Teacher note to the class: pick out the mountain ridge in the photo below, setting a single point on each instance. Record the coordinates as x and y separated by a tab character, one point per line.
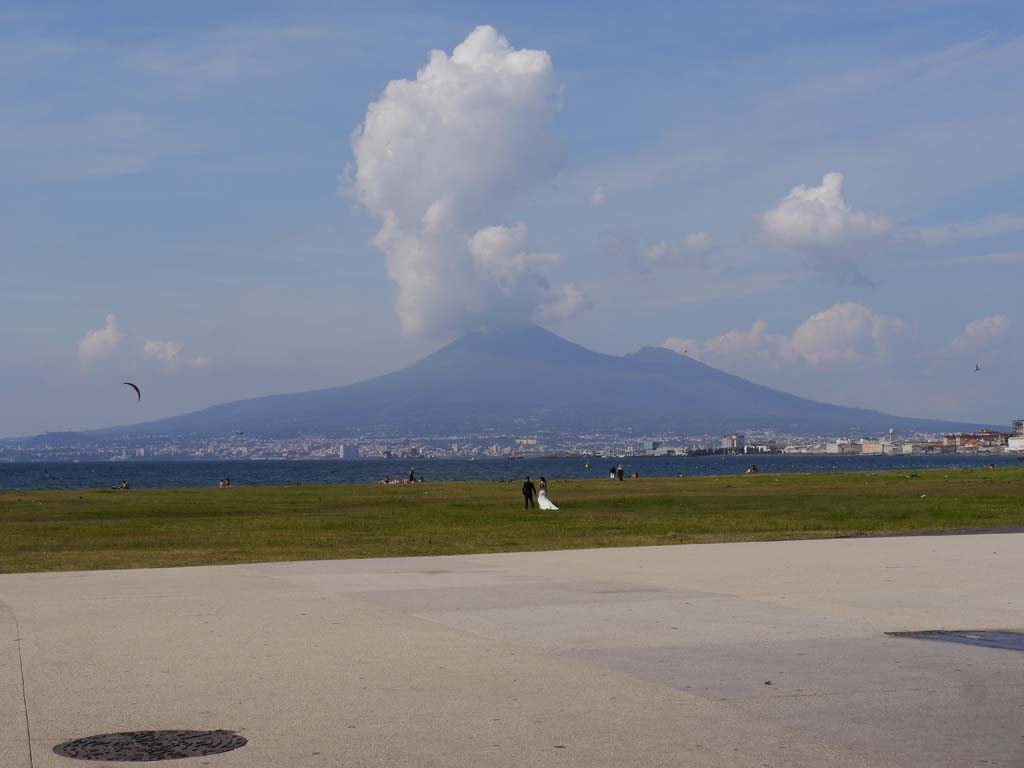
530	380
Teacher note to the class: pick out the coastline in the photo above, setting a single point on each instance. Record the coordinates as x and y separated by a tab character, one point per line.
25	476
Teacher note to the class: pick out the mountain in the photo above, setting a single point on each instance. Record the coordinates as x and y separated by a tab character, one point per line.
528	380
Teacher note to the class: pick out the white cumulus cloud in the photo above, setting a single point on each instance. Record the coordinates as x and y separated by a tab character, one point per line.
818	223
437	159
735	345
99	343
698	242
172	353
848	333
981	333
567	301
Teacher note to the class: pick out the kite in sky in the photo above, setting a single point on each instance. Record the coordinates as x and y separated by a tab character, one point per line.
138	392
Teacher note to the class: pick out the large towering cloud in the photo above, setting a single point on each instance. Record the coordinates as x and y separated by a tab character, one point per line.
437	160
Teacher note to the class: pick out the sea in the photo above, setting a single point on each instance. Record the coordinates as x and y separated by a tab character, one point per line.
19	476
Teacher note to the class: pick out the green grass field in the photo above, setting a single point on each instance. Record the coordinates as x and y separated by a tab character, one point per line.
81	530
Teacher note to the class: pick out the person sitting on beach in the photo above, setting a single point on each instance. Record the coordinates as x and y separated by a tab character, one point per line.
385	481
122	487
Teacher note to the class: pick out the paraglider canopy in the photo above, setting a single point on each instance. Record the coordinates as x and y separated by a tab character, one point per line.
138	392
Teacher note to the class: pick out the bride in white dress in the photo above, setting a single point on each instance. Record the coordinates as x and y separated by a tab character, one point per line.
543	502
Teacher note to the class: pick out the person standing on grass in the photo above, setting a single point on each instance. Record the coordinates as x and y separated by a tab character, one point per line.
542	496
529	490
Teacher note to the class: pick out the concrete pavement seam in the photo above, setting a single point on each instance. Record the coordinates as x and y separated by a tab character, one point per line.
24	693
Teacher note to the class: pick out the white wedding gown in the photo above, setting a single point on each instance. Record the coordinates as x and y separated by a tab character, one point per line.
543	502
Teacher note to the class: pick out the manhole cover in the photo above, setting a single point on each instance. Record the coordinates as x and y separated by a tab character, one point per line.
142	746
990	638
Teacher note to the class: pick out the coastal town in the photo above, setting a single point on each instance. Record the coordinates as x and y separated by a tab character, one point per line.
82	447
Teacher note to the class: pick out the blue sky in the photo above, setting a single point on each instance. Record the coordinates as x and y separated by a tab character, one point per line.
665	175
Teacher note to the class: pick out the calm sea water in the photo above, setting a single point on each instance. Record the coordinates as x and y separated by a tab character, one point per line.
191	474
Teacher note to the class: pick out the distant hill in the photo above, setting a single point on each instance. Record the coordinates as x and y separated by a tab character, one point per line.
528	380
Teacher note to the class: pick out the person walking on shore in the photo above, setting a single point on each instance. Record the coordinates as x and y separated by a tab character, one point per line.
529	489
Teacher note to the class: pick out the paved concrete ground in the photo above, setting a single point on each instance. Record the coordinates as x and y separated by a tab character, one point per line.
621	657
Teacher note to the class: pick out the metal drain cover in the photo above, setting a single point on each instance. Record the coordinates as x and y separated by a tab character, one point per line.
1012	640
143	746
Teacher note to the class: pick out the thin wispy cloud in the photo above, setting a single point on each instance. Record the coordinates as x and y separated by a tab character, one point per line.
692	249
955	62
989	226
227	56
102	145
128	125
38	51
1004	259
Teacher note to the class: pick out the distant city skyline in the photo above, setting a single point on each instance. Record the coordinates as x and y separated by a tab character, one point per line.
239	200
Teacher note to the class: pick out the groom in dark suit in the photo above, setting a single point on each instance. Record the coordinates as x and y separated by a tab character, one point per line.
529	491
